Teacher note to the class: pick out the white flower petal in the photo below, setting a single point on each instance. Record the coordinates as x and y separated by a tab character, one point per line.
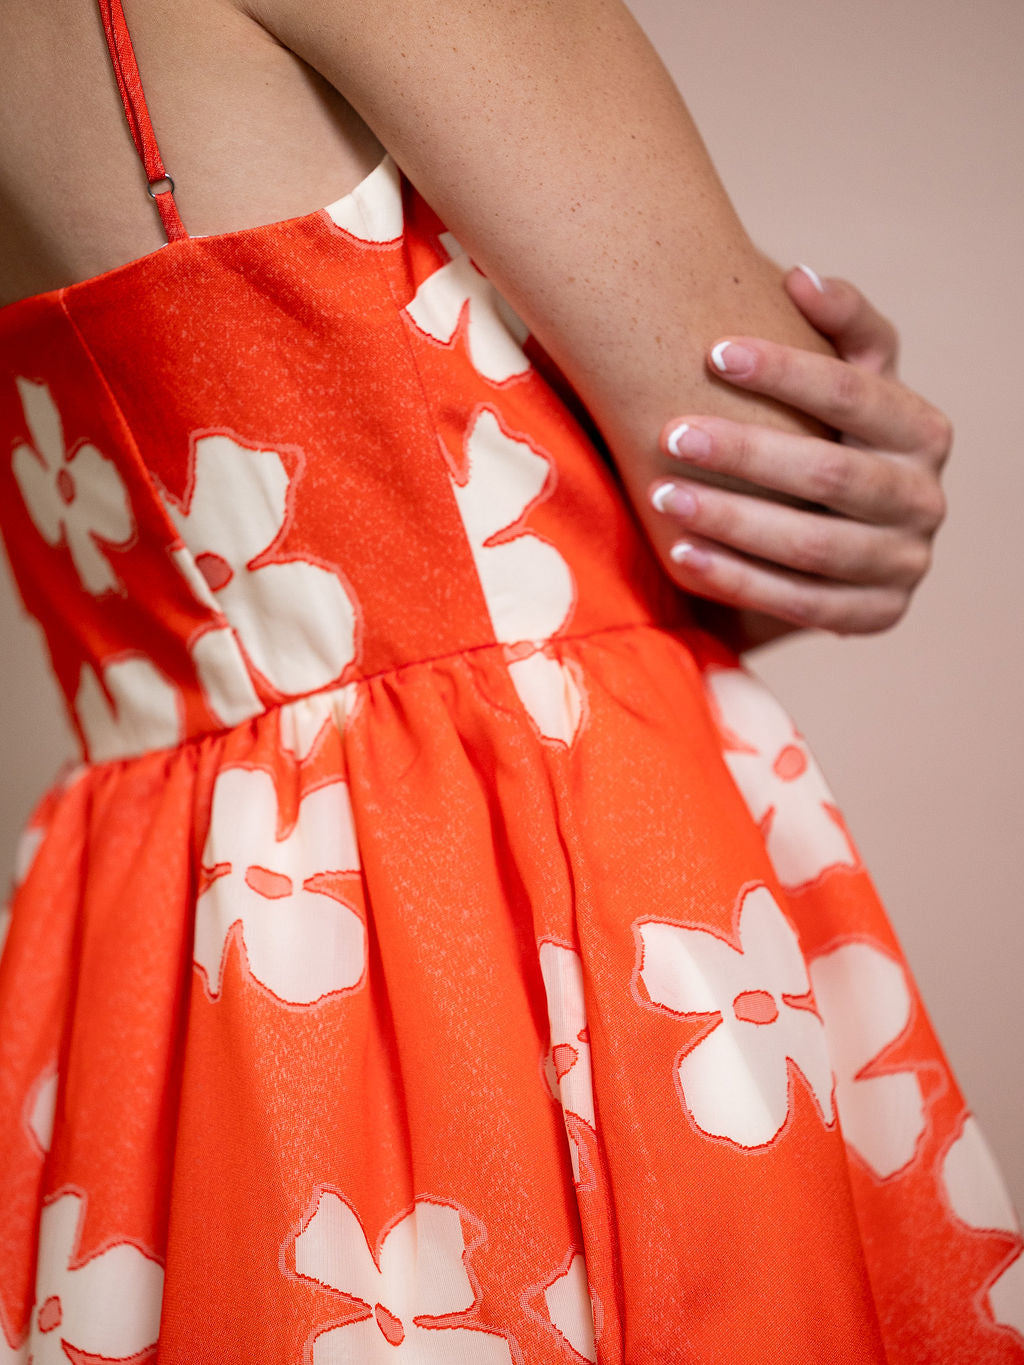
421	1265
562	971
91	564
110	1305
781	776
42	1108
864	999
569	1307
495	333
238	501
804	839
683	969
735	1085
332	1250
974	1183
143	712
373	210
40	494
551	694
296	622
527	585
43	422
750	711
1006	1295
224	677
101	500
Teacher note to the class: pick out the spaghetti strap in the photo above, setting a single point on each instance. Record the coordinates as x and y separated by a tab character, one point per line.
126	69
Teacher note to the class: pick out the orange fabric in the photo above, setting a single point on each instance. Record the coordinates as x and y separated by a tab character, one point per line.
444	951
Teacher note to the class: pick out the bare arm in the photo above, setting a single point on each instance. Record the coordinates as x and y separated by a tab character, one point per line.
551	140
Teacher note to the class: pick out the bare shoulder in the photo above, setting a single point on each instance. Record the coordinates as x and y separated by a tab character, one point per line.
250	133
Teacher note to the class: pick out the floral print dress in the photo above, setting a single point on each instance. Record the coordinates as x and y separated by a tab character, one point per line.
444	950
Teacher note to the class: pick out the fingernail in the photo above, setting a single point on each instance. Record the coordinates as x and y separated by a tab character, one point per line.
813	276
733	359
682	552
687	440
669	497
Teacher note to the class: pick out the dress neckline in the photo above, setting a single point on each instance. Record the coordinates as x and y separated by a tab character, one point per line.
182	244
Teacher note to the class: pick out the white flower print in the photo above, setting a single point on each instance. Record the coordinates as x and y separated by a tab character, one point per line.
569	1307
778	778
863	997
300	943
494	333
106	1308
527	585
373	210
419	1272
217	656
143	710
223	676
978	1197
552	693
301	723
76	498
735	1080
41	1107
568	1059
294	619
9	1353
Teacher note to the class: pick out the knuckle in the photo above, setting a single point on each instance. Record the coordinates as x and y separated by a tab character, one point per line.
742	451
811	608
938	434
885	610
923	560
931	506
814	549
915	563
847	395
892	610
832	475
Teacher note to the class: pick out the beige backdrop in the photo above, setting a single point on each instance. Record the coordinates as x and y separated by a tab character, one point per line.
882	142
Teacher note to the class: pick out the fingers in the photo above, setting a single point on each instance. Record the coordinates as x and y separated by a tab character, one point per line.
841	608
861	334
884	490
869	407
812	543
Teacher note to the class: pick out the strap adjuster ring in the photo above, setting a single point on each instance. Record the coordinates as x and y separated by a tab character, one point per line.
149	187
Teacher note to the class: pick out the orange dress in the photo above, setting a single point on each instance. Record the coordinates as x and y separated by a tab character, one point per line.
445	953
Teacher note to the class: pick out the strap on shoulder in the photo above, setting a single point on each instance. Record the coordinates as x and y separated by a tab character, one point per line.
126	69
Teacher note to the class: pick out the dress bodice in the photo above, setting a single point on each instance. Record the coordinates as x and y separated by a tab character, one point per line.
252	466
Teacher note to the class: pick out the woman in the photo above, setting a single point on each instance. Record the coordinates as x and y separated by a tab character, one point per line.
443	924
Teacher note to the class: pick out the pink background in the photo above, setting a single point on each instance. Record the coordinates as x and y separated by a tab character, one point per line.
883	143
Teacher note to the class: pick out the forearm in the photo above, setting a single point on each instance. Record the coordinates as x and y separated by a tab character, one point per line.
551	140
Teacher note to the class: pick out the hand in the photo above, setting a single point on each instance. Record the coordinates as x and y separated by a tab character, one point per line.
851	541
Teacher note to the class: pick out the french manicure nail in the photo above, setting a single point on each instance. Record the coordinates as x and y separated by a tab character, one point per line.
813	276
733	359
687	440
682	552
669	497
